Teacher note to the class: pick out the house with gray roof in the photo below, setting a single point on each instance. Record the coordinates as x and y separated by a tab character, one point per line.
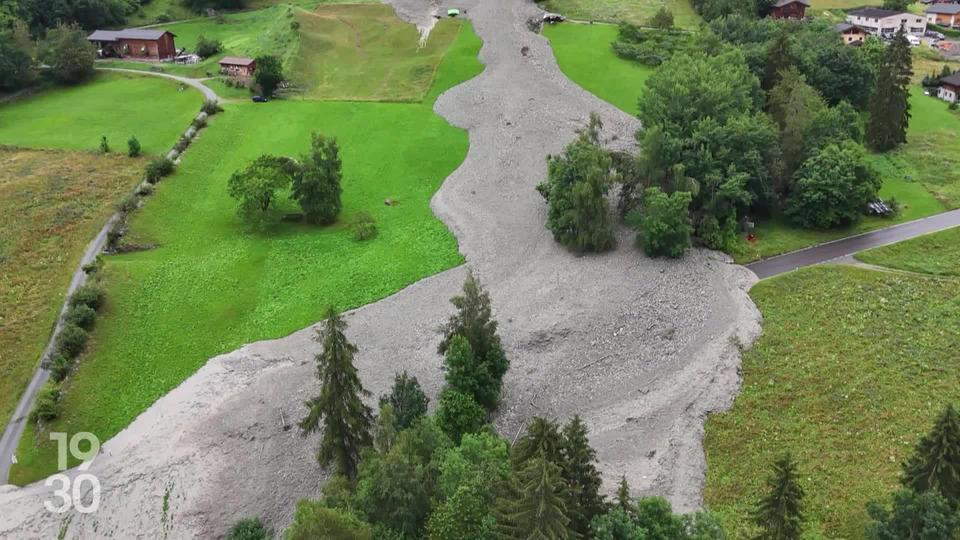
151	44
886	22
944	14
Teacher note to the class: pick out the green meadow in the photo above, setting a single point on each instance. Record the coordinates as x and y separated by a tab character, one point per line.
117	106
213	283
634	11
937	254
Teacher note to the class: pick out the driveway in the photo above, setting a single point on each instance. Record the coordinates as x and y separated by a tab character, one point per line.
846	247
207	92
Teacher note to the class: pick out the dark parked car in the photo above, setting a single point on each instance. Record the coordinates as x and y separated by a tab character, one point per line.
259	99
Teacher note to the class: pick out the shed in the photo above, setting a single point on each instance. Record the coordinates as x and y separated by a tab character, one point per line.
238	67
135	43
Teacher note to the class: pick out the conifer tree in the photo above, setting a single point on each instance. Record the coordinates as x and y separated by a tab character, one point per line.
467	375
407	399
623	496
385	432
935	464
542	438
780	512
889	103
339	409
474	321
583	480
779	58
539	509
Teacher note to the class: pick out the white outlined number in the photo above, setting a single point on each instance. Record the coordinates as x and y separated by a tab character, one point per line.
74	498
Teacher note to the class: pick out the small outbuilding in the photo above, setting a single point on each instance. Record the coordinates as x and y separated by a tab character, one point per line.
851	34
944	14
949	88
789	9
238	67
135	43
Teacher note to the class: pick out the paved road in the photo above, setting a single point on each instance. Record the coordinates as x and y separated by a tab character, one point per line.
208	93
850	245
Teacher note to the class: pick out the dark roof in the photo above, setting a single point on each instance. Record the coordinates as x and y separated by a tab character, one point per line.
236	61
876	13
781	3
952	80
843	27
946	9
150	34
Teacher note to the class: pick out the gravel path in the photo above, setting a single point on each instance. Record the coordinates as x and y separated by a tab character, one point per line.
207	92
642	349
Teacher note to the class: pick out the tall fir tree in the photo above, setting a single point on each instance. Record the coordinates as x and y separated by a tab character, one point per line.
474	321
623	500
542	438
935	464
339	409
779	59
583	480
465	374
408	400
538	510
890	101
779	513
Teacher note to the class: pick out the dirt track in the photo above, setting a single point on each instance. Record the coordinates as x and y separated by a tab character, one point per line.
642	349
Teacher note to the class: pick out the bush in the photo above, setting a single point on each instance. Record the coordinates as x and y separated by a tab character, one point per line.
199	123
832	187
248	529
72	340
313	520
93	267
364	227
47	406
145	190
458	414
665	224
60	367
90	294
104	145
207	47
158	168
133	147
81	315
182	144
116	232
129	203
211	107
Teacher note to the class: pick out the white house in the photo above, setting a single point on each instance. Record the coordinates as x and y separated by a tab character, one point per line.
885	22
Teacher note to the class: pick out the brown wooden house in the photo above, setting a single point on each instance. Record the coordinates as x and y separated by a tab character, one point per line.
851	34
789	9
134	43
238	67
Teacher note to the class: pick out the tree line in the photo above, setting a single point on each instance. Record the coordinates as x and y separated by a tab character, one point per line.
755	119
62	56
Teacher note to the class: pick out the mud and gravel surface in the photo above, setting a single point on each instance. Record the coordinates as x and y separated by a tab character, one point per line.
643	349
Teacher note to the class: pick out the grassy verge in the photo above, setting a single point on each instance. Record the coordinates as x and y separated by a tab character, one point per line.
155	110
586	57
851	369
51	204
635	11
213	284
937	254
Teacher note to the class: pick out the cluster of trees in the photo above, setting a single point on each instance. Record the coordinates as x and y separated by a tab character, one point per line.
65	54
314	182
927	506
654	44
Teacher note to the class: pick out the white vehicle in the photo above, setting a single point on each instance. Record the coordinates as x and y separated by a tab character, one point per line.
914	40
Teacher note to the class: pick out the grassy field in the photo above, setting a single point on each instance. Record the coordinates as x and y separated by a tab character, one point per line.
366	53
937	254
172	308
851	369
635	11
586	57
52	202
118	106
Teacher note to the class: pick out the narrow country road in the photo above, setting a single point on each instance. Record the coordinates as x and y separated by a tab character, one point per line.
845	247
207	92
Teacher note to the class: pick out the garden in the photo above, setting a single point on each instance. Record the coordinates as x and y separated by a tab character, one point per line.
214	282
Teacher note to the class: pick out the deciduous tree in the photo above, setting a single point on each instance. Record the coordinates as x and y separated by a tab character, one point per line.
915	516
832	187
316	182
665	223
339	410
256	186
67	54
269	74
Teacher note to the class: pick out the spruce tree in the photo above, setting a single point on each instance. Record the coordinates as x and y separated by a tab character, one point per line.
579	470
935	464
474	321
465	374
779	59
623	496
890	101
339	410
780	512
408	400
541	439
539	509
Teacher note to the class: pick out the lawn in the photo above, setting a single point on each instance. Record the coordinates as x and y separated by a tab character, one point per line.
214	284
52	202
937	254
635	11
155	110
586	57
852	367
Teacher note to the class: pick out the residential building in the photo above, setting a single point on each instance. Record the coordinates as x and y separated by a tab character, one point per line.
886	23
949	88
237	67
135	43
850	33
789	9
944	14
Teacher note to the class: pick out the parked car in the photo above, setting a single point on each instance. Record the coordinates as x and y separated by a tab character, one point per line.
259	99
935	35
552	18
